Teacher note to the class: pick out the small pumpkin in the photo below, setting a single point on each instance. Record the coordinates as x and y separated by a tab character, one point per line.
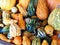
26	40
36	41
17	40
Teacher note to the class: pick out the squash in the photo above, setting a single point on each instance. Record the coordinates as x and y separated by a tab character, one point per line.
21	22
42	10
14	16
36	41
17	40
31	8
54	42
52	4
5	30
3	37
25	4
49	30
22	10
45	42
26	40
54	19
14	30
7	4
41	33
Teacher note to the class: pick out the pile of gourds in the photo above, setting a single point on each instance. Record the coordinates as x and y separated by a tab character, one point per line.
30	22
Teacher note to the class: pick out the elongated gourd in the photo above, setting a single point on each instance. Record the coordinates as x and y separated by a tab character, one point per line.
42	10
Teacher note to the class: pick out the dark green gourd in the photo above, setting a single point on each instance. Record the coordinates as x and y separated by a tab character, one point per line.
31	9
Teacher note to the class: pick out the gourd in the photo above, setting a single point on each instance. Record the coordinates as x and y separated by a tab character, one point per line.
14	30
36	41
17	40
41	33
6	17
31	9
42	10
5	30
3	37
26	40
25	4
31	25
54	19
54	42
49	30
21	22
7	4
45	42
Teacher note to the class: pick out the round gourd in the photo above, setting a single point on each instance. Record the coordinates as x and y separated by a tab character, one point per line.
54	19
7	4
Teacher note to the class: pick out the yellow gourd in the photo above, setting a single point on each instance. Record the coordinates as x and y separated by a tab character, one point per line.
7	4
45	42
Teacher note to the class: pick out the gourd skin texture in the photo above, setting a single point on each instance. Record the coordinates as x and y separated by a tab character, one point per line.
54	19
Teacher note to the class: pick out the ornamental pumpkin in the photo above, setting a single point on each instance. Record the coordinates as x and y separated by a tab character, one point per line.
7	4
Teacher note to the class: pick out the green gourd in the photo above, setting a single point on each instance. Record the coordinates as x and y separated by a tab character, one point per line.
54	19
36	41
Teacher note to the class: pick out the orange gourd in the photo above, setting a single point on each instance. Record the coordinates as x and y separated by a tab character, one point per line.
42	10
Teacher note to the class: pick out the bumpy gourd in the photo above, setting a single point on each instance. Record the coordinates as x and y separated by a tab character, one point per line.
54	19
14	30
